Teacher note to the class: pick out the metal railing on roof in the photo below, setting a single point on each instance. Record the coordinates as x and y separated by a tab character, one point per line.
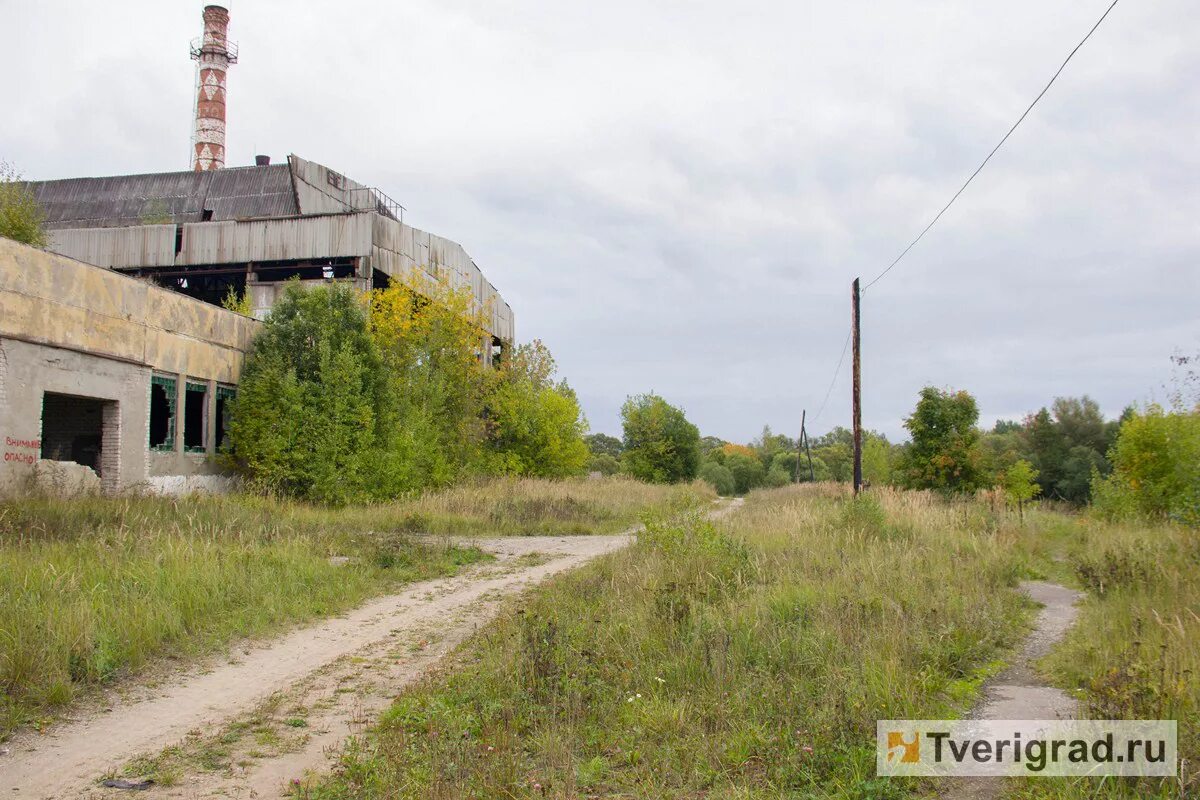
368	198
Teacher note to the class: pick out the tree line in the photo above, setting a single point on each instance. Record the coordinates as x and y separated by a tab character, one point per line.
1145	463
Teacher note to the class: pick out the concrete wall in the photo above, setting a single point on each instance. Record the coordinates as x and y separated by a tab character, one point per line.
32	370
75	329
381	243
338	219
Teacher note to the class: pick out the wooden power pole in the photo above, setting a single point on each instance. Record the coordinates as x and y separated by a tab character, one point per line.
802	448
856	391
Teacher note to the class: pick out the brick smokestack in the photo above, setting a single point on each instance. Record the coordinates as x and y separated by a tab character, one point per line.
213	53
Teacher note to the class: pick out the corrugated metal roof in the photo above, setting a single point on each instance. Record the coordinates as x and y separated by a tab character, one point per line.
173	197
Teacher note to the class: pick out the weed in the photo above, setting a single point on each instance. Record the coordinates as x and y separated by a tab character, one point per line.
748	658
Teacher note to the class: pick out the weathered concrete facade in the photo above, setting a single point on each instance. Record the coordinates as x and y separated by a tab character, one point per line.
109	371
252	228
124	362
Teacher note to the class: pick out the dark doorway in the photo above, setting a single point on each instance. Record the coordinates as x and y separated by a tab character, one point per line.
72	429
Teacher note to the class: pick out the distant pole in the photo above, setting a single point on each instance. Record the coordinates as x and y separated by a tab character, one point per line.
800	444
857	391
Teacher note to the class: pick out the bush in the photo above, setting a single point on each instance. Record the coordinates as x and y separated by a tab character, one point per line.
537	425
719	477
304	420
605	464
349	398
21	218
748	472
661	446
778	476
1156	468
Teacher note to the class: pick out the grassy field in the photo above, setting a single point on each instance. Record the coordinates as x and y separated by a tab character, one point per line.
742	659
95	588
527	506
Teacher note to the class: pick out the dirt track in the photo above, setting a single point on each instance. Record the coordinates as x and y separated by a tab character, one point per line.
341	672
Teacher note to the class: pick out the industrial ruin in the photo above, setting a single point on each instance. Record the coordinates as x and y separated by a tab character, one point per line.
115	355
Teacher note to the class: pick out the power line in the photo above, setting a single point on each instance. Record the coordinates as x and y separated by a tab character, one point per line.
994	149
833	381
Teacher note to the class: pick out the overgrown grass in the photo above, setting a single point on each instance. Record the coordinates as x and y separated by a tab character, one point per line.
94	588
527	506
1134	652
749	658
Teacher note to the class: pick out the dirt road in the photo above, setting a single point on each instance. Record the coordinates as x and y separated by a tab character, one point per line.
250	724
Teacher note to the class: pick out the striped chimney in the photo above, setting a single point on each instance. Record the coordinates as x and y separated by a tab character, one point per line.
213	54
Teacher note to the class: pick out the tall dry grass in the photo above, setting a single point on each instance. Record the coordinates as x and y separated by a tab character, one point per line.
530	506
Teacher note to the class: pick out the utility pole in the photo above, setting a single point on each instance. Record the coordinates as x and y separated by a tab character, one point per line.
857	391
802	448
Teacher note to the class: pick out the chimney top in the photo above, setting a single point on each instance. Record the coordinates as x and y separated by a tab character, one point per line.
262	161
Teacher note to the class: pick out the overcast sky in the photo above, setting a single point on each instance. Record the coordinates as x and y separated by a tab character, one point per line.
676	195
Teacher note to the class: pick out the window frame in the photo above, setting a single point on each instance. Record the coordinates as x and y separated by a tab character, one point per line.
200	387
171	390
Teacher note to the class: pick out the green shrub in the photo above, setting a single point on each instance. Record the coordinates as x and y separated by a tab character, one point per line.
605	464
661	446
863	513
748	472
719	477
777	476
21	218
537	425
344	400
304	419
1156	468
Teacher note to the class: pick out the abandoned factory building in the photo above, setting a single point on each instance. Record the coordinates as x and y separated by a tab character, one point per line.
114	352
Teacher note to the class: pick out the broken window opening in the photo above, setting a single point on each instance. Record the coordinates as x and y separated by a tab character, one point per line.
225	395
72	429
162	413
195	415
